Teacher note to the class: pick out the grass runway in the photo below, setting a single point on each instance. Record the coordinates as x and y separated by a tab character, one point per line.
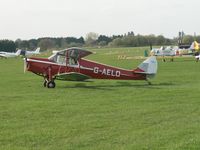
102	114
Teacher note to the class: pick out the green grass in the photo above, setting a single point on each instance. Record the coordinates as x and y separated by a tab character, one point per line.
102	114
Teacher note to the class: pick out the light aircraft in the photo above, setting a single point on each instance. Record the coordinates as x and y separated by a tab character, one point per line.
30	53
191	50
55	51
164	51
70	65
9	55
195	45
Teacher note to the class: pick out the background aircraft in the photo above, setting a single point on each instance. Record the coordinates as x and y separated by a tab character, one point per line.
8	55
30	53
164	51
194	48
70	65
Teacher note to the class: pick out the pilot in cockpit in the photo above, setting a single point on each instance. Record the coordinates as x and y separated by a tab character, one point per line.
73	57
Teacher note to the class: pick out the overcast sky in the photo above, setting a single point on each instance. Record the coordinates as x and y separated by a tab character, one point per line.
28	19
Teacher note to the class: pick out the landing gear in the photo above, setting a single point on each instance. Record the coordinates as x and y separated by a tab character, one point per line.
51	84
171	59
49	79
149	82
45	83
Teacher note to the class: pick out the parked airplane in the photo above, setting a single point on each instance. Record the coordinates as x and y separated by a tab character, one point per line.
196	45
55	51
190	50
164	51
8	54
30	53
70	65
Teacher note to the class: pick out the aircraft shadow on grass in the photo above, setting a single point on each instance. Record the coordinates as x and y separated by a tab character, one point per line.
104	86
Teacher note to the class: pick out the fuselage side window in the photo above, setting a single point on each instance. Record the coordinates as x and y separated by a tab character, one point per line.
61	59
73	57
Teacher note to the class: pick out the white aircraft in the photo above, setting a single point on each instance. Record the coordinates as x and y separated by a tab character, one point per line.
55	51
164	51
30	53
9	55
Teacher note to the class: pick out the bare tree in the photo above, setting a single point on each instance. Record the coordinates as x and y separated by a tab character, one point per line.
91	38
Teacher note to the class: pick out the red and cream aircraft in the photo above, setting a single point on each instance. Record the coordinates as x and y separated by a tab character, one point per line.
70	65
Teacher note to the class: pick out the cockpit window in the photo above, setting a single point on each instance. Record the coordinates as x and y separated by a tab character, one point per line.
59	58
73	57
69	56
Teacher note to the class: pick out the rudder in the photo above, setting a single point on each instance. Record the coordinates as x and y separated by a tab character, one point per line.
149	67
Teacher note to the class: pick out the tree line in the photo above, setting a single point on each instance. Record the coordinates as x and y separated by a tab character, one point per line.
93	40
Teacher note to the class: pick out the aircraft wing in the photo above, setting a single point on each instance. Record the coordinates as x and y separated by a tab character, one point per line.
74	52
81	52
3	55
72	76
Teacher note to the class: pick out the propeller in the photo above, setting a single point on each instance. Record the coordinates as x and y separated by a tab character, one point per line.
25	64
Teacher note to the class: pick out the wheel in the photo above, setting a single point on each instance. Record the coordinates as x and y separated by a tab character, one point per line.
51	84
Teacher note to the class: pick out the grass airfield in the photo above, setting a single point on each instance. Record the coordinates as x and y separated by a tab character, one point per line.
102	114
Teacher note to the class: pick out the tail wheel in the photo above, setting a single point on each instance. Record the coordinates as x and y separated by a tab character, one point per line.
51	84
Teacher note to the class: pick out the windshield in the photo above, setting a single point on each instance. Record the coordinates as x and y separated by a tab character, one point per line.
70	56
59	58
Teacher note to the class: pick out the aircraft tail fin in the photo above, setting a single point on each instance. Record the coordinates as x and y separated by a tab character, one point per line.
148	67
37	50
194	46
18	52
